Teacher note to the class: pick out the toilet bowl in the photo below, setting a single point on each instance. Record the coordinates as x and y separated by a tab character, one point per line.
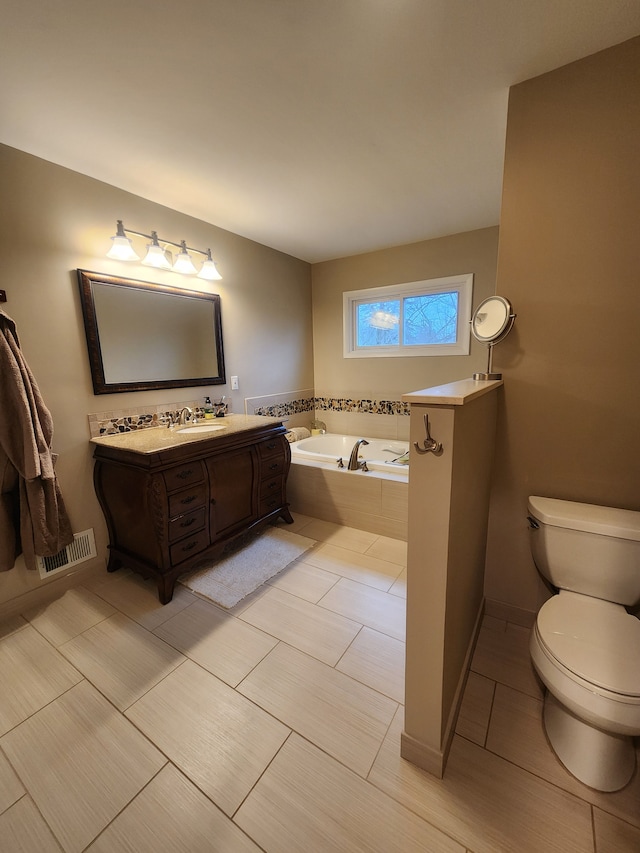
585	646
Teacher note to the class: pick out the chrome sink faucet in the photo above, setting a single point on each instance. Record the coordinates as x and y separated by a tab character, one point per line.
186	414
354	465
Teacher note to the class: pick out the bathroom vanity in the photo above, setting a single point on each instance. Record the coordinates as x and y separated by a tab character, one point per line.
175	498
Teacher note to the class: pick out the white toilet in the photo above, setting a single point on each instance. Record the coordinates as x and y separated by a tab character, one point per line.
585	646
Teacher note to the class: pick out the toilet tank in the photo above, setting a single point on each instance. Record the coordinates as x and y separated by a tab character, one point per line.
594	550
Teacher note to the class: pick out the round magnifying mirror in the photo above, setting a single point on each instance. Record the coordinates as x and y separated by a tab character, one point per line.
491	323
492	320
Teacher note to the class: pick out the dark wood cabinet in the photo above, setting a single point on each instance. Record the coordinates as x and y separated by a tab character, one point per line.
173	507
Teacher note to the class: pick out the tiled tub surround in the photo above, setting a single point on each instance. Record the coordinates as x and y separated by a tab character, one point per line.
294	407
374	500
364	424
364	417
371	501
287	403
341	415
373	407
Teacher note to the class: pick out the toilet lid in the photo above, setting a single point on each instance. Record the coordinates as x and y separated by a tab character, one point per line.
605	520
597	640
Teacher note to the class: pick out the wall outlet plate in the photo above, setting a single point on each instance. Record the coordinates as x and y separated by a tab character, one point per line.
234	383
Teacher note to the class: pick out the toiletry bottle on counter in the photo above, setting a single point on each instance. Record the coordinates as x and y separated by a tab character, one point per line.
208	408
318	428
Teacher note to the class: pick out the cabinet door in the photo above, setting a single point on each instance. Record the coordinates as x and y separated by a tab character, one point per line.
233	484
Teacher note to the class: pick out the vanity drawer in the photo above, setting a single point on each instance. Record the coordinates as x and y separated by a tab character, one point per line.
190	522
271	467
186	548
271	486
269	504
272	447
183	475
187	500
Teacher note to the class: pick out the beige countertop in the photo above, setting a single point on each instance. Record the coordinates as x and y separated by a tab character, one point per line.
452	394
153	439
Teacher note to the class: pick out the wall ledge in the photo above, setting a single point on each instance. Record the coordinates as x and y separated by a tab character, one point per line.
453	393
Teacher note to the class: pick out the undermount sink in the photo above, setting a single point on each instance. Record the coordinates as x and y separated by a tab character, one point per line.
202	428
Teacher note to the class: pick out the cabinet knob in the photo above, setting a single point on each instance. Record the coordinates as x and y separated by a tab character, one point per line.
212	501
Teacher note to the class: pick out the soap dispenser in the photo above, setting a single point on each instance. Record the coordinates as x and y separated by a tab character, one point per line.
208	408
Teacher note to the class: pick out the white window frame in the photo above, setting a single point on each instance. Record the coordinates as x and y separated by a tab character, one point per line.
462	284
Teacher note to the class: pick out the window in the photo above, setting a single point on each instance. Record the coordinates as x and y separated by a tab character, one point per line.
418	318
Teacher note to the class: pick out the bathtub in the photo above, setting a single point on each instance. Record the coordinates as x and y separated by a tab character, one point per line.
380	454
375	500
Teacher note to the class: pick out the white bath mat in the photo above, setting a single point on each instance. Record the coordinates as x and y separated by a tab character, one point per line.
229	580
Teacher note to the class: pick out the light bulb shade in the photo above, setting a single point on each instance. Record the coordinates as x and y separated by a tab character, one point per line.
121	249
183	262
209	270
156	256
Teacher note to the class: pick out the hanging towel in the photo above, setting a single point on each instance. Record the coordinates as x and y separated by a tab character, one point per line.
33	518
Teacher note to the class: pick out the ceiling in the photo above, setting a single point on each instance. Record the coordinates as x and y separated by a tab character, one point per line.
322	128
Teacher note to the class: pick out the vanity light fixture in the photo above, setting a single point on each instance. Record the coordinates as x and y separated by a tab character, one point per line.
159	256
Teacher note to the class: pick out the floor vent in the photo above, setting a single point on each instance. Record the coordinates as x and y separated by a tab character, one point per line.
81	549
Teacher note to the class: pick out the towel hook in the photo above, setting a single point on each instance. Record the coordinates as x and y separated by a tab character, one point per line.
430	445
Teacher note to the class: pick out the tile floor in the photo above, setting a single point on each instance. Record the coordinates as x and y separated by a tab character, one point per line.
128	726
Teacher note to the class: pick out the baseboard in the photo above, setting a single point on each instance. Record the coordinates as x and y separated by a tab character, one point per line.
510	613
423	756
50	590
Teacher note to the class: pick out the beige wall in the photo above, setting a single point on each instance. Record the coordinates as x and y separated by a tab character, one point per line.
389	378
53	221
569	258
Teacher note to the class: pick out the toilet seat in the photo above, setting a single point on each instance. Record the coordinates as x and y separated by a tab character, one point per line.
595	640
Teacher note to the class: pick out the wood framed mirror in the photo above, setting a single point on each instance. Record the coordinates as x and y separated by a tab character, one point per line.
143	336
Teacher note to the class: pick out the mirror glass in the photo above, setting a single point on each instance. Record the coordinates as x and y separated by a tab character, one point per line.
492	320
143	336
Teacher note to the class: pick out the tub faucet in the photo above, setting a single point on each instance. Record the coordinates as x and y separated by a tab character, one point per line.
354	465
